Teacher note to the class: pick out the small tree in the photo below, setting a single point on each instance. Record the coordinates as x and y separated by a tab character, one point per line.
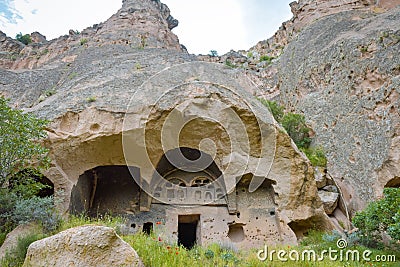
24	38
19	146
295	125
277	110
213	53
380	216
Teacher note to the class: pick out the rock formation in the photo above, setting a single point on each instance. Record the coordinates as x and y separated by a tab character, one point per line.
125	101
342	72
336	63
137	24
82	246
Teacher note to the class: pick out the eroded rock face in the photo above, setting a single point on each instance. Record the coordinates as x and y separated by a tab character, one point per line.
346	82
82	246
138	24
118	108
36	37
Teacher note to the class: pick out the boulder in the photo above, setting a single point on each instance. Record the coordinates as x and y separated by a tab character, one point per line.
87	245
38	37
320	177
329	200
330	188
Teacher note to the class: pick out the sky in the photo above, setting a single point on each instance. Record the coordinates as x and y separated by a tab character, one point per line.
204	25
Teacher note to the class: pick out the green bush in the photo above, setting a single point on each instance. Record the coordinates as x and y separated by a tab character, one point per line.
276	109
37	209
230	64
84	41
24	38
266	58
295	125
380	216
213	53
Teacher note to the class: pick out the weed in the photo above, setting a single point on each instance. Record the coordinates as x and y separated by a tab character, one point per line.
83	41
230	64
72	75
49	92
266	58
316	155
138	66
16	256
91	99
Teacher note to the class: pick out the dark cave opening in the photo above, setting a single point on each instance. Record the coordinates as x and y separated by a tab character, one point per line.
187	230
105	189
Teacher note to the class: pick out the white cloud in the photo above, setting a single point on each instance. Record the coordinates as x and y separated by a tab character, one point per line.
209	25
55	18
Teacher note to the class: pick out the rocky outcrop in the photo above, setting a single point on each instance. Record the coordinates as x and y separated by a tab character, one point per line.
36	37
123	94
137	25
342	72
9	50
82	246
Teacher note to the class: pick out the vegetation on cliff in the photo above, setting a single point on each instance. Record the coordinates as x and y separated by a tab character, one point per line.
297	128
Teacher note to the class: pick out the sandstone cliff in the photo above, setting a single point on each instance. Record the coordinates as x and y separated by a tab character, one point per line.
132	66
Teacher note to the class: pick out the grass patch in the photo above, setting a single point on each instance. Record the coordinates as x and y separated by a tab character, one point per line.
83	41
79	220
16	257
155	251
266	58
316	155
158	253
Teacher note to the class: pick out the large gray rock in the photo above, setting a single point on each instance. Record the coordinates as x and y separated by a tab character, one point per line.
82	246
329	200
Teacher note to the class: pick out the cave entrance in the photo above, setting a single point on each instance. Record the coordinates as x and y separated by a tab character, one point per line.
395	182
188	226
105	189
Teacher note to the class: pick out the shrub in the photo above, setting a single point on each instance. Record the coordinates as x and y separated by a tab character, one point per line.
84	41
230	64
276	109
266	58
24	38
27	183
39	210
295	126
91	99
316	156
213	53
380	216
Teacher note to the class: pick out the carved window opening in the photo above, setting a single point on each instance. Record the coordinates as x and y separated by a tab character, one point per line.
200	181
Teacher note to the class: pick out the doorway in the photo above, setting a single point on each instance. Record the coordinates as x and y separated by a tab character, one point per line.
188	230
